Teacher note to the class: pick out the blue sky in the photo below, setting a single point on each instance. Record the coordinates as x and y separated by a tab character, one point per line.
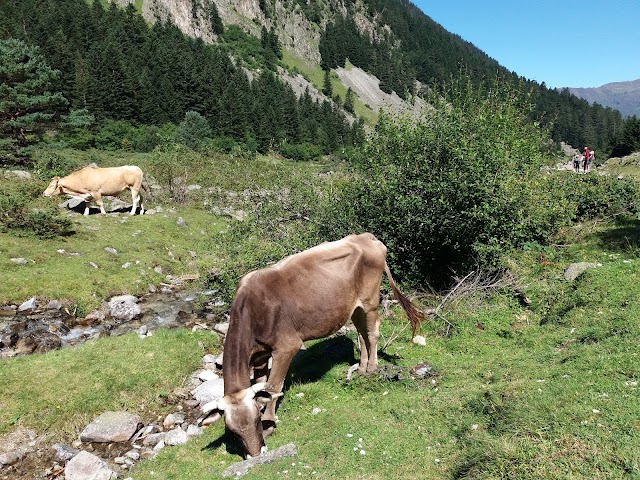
564	43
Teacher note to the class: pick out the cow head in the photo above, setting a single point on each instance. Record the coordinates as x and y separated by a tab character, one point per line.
241	412
52	188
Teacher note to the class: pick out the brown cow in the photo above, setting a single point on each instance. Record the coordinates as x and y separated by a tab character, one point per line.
93	183
305	296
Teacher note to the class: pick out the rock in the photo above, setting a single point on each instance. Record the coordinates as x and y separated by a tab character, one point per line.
209	358
222	328
574	270
241	468
19	174
194	431
20	261
124	307
111	250
173	419
10	458
54	305
181	222
206	375
209	391
133	455
96	316
177	436
73	203
30	304
153	439
86	466
64	452
419	340
111	427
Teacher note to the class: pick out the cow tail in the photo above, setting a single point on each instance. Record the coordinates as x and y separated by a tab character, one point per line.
415	315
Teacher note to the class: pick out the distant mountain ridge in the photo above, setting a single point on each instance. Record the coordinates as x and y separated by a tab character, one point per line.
622	96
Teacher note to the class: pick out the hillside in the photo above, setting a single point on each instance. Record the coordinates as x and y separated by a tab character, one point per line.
622	96
390	39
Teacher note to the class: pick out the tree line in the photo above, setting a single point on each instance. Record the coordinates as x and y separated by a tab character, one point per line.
420	49
116	67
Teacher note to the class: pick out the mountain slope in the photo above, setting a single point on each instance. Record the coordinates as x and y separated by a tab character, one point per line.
622	96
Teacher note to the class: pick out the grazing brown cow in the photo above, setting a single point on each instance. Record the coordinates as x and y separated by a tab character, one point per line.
305	296
93	183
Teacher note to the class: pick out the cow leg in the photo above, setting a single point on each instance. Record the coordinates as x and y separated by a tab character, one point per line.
373	334
359	321
135	198
281	362
98	198
368	326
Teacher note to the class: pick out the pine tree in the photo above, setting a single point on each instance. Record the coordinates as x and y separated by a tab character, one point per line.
348	101
327	88
27	102
217	26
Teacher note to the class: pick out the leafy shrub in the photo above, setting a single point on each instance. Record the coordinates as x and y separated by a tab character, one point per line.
300	152
173	166
193	131
49	163
115	134
593	196
18	215
455	189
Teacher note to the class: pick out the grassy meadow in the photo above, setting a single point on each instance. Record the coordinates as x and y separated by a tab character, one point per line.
547	389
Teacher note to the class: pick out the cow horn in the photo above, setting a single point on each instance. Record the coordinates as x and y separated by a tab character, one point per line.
258	387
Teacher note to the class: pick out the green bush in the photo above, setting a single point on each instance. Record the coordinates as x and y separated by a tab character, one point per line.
193	131
49	163
455	189
114	135
300	152
19	216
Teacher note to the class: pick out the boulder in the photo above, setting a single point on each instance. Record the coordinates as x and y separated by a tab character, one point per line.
111	427
209	391
574	270
30	304
86	466
124	307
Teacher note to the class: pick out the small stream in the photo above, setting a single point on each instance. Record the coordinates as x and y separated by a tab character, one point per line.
50	327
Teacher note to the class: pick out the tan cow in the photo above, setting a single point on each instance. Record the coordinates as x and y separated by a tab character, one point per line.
305	296
92	183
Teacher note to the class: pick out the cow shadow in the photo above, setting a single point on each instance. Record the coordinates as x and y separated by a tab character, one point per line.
94	210
308	366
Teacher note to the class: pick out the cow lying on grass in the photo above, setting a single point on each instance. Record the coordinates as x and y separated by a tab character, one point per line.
305	296
92	183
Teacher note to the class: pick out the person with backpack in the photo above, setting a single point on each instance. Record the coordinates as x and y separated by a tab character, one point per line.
585	162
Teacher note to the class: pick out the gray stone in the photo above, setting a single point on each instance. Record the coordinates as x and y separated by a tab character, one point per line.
574	270
194	431
30	304
72	203
181	222
111	427
222	328
86	466
177	436
96	315
111	250
419	340
173	419
124	307
64	452
19	174
206	375
54	305
20	261
241	468
9	458
153	439
133	454
209	391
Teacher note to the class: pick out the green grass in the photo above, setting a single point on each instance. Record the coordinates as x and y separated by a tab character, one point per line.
547	390
61	391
